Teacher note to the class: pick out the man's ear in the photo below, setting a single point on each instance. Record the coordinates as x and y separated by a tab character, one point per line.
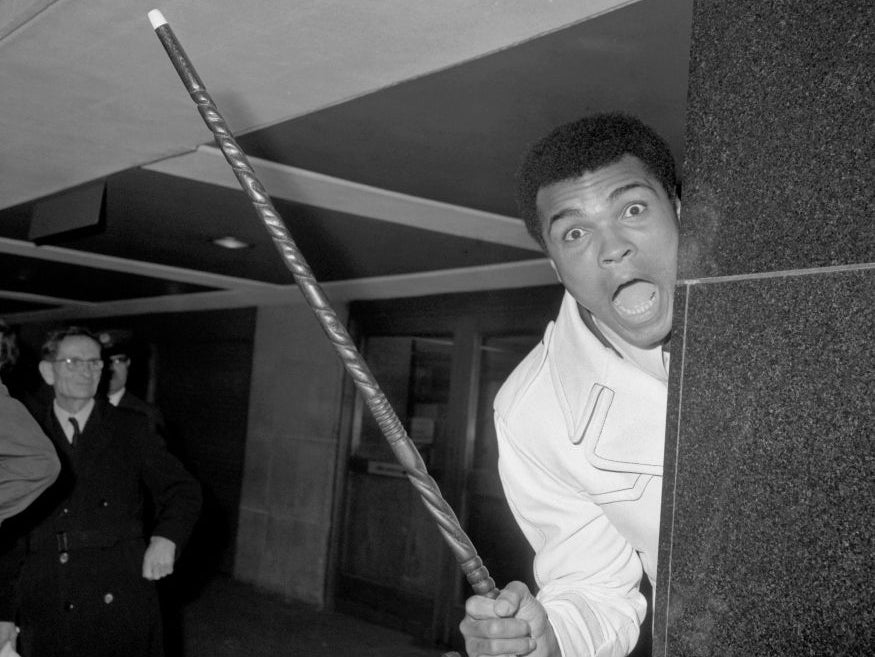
556	270
47	372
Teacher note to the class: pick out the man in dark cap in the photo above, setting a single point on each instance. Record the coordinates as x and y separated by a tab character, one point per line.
117	351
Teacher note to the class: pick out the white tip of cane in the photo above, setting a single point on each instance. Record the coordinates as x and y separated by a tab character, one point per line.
157	19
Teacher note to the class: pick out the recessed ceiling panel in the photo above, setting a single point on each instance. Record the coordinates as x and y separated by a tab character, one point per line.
340	246
166	220
457	135
78	284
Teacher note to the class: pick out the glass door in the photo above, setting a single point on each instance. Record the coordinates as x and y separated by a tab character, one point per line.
390	548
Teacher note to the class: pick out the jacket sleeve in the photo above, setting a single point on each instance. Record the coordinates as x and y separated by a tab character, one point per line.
175	493
28	461
587	572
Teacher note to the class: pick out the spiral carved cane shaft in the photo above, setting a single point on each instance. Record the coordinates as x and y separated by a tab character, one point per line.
405	451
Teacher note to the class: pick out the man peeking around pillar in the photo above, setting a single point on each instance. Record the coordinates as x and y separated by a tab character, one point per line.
581	421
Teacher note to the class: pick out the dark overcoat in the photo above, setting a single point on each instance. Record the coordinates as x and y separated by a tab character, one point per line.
74	575
134	403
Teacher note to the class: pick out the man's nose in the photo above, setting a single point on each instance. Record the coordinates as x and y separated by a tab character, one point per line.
615	248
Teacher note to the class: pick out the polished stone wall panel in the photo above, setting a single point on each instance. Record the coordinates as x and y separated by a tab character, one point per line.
766	535
769	494
779	144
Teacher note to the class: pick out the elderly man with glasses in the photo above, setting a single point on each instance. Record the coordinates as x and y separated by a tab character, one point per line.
80	578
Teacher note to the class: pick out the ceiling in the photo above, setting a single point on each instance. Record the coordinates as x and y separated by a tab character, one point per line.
387	134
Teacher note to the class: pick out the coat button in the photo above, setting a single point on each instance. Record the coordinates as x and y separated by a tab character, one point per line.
64	557
65	512
104	503
108	598
69	606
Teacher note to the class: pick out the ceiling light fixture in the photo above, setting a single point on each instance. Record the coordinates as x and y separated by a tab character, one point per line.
231	242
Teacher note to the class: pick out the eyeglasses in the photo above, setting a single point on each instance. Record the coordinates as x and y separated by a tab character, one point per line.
80	365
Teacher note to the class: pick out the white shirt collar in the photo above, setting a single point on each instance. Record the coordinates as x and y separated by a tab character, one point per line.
116	397
81	417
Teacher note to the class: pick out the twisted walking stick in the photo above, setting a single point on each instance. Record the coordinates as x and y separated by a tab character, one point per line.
402	446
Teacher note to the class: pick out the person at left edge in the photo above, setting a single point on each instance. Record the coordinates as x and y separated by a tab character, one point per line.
28	461
81	577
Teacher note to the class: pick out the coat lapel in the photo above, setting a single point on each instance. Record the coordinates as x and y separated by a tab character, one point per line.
609	405
56	434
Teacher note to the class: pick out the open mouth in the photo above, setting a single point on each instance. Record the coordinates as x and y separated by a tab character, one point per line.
635	298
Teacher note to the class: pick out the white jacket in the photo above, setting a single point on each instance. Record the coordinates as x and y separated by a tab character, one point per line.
581	433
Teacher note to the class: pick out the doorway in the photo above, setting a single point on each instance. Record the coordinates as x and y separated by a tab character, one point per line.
390	544
440	361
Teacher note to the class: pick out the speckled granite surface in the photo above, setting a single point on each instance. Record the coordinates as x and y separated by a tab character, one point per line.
767	535
771	498
780	135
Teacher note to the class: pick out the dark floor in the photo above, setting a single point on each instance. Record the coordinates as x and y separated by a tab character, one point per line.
231	619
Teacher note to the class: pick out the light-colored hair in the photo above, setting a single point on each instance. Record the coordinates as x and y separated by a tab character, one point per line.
54	339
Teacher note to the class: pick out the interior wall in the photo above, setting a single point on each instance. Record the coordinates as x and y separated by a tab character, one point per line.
202	364
291	451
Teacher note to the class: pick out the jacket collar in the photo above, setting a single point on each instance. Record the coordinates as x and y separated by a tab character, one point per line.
587	373
82	416
578	361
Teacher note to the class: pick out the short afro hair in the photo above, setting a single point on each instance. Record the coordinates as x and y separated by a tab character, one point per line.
587	145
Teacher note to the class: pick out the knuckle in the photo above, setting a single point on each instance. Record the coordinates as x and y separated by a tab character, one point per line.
494	627
471	604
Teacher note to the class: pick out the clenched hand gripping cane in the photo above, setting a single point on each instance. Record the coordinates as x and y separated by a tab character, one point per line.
391	426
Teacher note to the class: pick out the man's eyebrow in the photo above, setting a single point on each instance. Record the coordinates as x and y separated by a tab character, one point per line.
565	212
619	191
613	196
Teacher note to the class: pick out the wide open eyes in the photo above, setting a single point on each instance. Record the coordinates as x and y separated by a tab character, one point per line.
634	210
574	234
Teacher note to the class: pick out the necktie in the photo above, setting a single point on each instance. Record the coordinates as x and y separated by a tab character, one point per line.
76	432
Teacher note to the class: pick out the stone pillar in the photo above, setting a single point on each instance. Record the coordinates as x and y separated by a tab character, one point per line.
291	452
769	492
